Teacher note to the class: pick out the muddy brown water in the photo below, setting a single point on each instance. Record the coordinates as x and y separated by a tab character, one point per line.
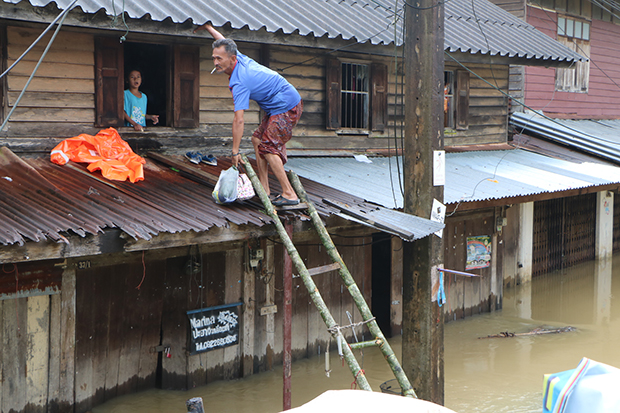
482	375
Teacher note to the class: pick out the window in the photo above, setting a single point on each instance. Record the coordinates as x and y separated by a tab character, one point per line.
170	80
356	96
355	99
456	100
574	34
582	8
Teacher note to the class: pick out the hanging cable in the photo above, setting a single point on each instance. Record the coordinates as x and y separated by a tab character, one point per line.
113	24
47	48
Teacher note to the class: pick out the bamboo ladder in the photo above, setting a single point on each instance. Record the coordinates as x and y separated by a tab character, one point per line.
305	274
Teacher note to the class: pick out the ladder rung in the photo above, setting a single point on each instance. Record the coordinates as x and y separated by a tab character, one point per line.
324	268
301	205
366	344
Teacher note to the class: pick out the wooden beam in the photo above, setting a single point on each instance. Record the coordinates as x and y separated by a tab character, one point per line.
190	171
488	203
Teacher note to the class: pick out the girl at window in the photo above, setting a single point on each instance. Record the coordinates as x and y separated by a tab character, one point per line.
135	103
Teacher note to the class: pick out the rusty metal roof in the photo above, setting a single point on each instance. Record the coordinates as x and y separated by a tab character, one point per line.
43	201
471	26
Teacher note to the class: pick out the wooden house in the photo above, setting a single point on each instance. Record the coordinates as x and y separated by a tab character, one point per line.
589	90
98	277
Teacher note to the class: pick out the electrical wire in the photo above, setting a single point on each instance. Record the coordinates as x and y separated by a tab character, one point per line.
123	37
47	29
34	71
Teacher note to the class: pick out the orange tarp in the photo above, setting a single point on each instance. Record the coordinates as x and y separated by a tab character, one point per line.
105	151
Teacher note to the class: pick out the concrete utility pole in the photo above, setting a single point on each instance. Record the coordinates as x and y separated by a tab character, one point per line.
422	317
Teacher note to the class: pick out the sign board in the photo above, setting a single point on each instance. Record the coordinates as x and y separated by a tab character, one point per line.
213	327
478	252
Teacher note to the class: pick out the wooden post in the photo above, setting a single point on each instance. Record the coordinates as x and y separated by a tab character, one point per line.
422	317
287	328
194	405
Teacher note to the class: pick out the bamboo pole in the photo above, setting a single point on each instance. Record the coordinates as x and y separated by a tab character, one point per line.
355	292
331	324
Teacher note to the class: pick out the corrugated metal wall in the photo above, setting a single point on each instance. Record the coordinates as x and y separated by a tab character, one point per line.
564	232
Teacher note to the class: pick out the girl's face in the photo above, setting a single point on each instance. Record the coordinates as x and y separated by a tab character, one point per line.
135	79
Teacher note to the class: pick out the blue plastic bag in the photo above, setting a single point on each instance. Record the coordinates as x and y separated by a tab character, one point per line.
225	190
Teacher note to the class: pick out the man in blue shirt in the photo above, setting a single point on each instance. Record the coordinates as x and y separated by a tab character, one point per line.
277	97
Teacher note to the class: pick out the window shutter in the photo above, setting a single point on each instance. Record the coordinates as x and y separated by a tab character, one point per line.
186	87
108	82
378	103
333	93
462	100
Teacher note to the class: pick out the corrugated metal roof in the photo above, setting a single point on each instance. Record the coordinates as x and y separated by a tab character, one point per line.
41	200
470	176
471	26
597	137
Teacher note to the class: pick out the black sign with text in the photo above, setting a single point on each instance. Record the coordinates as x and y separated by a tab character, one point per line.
214	327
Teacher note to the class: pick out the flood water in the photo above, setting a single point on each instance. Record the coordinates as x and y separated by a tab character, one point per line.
482	375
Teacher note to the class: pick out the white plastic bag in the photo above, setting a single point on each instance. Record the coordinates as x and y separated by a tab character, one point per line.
225	190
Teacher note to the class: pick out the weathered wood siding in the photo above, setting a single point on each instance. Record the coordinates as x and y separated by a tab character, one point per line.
602	100
488	108
470	295
37	337
62	92
60	100
100	336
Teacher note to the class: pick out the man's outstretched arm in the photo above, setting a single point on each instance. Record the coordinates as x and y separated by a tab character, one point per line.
214	33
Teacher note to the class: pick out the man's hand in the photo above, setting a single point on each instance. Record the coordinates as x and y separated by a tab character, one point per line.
237	159
205	26
214	33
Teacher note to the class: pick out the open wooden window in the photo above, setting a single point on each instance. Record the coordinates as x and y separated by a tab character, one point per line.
356	96
574	34
462	100
456	100
170	80
108	82
186	86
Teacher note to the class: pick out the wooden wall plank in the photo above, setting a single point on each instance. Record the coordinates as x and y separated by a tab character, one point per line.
53	100
37	352
249	310
270	319
134	304
233	294
299	339
67	374
314	259
14	345
115	339
150	289
396	292
174	325
215	282
86	320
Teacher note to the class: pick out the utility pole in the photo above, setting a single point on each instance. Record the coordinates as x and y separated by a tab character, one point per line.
424	77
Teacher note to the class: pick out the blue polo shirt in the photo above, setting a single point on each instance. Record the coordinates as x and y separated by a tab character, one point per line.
250	80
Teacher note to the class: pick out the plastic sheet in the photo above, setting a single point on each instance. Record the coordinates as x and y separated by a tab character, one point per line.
105	151
591	387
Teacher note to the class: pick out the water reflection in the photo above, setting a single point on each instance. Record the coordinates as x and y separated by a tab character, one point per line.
482	375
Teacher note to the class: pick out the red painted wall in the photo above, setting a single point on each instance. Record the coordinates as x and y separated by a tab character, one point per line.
603	98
